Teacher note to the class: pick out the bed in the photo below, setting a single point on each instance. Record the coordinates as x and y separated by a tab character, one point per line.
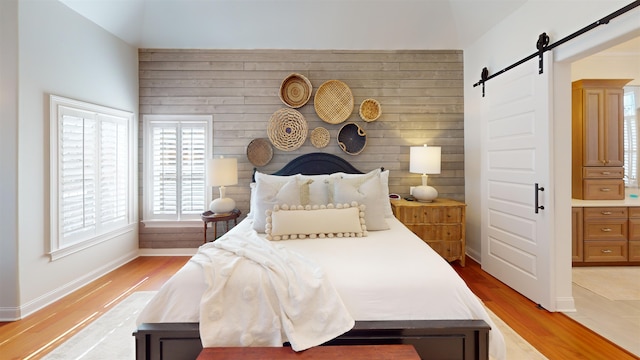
391	285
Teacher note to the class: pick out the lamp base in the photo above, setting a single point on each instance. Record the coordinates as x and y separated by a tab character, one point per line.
222	205
425	193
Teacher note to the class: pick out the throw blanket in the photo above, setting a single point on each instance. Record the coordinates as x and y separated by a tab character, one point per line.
261	294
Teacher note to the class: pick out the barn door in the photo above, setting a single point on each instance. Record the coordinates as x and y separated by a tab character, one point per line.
516	213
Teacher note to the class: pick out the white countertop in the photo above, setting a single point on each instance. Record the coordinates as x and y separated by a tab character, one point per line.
628	200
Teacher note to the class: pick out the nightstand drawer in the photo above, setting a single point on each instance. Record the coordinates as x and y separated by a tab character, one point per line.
429	215
438	232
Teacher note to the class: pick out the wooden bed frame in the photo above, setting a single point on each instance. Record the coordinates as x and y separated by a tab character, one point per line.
433	339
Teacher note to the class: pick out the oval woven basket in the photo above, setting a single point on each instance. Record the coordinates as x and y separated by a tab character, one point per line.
320	137
295	90
287	129
370	110
333	102
259	152
352	138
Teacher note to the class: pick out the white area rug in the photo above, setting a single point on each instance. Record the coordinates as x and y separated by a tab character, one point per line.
613	283
110	336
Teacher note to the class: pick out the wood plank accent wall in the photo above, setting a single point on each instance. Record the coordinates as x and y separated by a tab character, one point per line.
421	93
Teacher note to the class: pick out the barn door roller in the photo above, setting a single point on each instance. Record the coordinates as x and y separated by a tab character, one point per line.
543	44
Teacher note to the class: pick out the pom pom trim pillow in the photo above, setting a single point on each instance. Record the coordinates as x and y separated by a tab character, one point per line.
318	221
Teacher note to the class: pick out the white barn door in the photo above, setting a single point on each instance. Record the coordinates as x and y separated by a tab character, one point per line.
516	240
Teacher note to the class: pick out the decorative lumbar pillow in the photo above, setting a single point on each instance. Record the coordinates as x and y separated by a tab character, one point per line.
316	221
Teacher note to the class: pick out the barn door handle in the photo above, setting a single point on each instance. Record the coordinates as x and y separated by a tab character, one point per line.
537	191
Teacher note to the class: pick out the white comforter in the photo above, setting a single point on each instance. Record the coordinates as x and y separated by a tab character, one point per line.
261	294
388	275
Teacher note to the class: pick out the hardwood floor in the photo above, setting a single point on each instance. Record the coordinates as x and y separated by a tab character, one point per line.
555	335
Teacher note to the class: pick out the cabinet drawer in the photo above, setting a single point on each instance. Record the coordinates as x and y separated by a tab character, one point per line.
634	229
602	172
602	189
602	251
605	213
634	212
450	250
429	215
634	250
605	230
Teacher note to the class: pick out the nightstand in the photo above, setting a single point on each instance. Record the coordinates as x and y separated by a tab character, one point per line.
440	223
209	216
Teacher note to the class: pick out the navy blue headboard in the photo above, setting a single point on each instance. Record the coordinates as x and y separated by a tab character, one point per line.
316	164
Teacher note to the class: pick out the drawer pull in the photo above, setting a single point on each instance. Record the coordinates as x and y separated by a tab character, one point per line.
606	229
607	251
605	212
606	173
605	189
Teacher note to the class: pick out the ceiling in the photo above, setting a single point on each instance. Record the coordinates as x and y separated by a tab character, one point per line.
297	24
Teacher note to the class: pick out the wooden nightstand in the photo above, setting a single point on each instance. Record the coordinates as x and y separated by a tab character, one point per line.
440	223
209	216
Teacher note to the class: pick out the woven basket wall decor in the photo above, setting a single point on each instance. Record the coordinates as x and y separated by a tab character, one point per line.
259	152
370	110
287	129
295	90
320	137
333	102
352	138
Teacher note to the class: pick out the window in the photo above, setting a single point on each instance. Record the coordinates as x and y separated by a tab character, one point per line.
176	149
92	168
631	135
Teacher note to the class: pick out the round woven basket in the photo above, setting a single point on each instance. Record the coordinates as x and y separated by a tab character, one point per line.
320	137
333	102
295	90
259	152
370	110
352	138
287	129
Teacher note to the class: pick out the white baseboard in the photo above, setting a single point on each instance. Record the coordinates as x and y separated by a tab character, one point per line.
55	295
167	252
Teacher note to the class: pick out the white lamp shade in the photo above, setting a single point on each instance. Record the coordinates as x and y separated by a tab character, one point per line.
222	171
424	159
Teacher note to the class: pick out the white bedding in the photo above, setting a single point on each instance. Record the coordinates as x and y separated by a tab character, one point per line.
388	275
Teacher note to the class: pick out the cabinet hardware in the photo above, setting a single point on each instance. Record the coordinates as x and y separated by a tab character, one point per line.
606	173
606	229
607	251
605	212
605	189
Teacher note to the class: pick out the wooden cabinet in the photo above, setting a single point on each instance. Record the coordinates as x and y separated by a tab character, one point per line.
440	223
597	139
576	234
606	235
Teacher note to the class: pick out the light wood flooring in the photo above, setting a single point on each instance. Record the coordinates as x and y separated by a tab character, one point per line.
555	335
612	306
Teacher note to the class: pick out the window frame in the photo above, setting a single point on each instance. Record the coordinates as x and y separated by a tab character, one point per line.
150	121
105	229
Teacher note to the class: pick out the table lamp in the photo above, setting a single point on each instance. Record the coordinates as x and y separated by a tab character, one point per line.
424	160
222	172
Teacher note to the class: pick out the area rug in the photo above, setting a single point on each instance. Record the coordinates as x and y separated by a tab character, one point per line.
613	283
110	336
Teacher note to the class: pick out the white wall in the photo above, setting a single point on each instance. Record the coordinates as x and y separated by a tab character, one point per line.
607	67
8	157
508	42
64	54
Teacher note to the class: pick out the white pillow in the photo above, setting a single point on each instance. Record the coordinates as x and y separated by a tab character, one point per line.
320	221
366	191
272	190
384	181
